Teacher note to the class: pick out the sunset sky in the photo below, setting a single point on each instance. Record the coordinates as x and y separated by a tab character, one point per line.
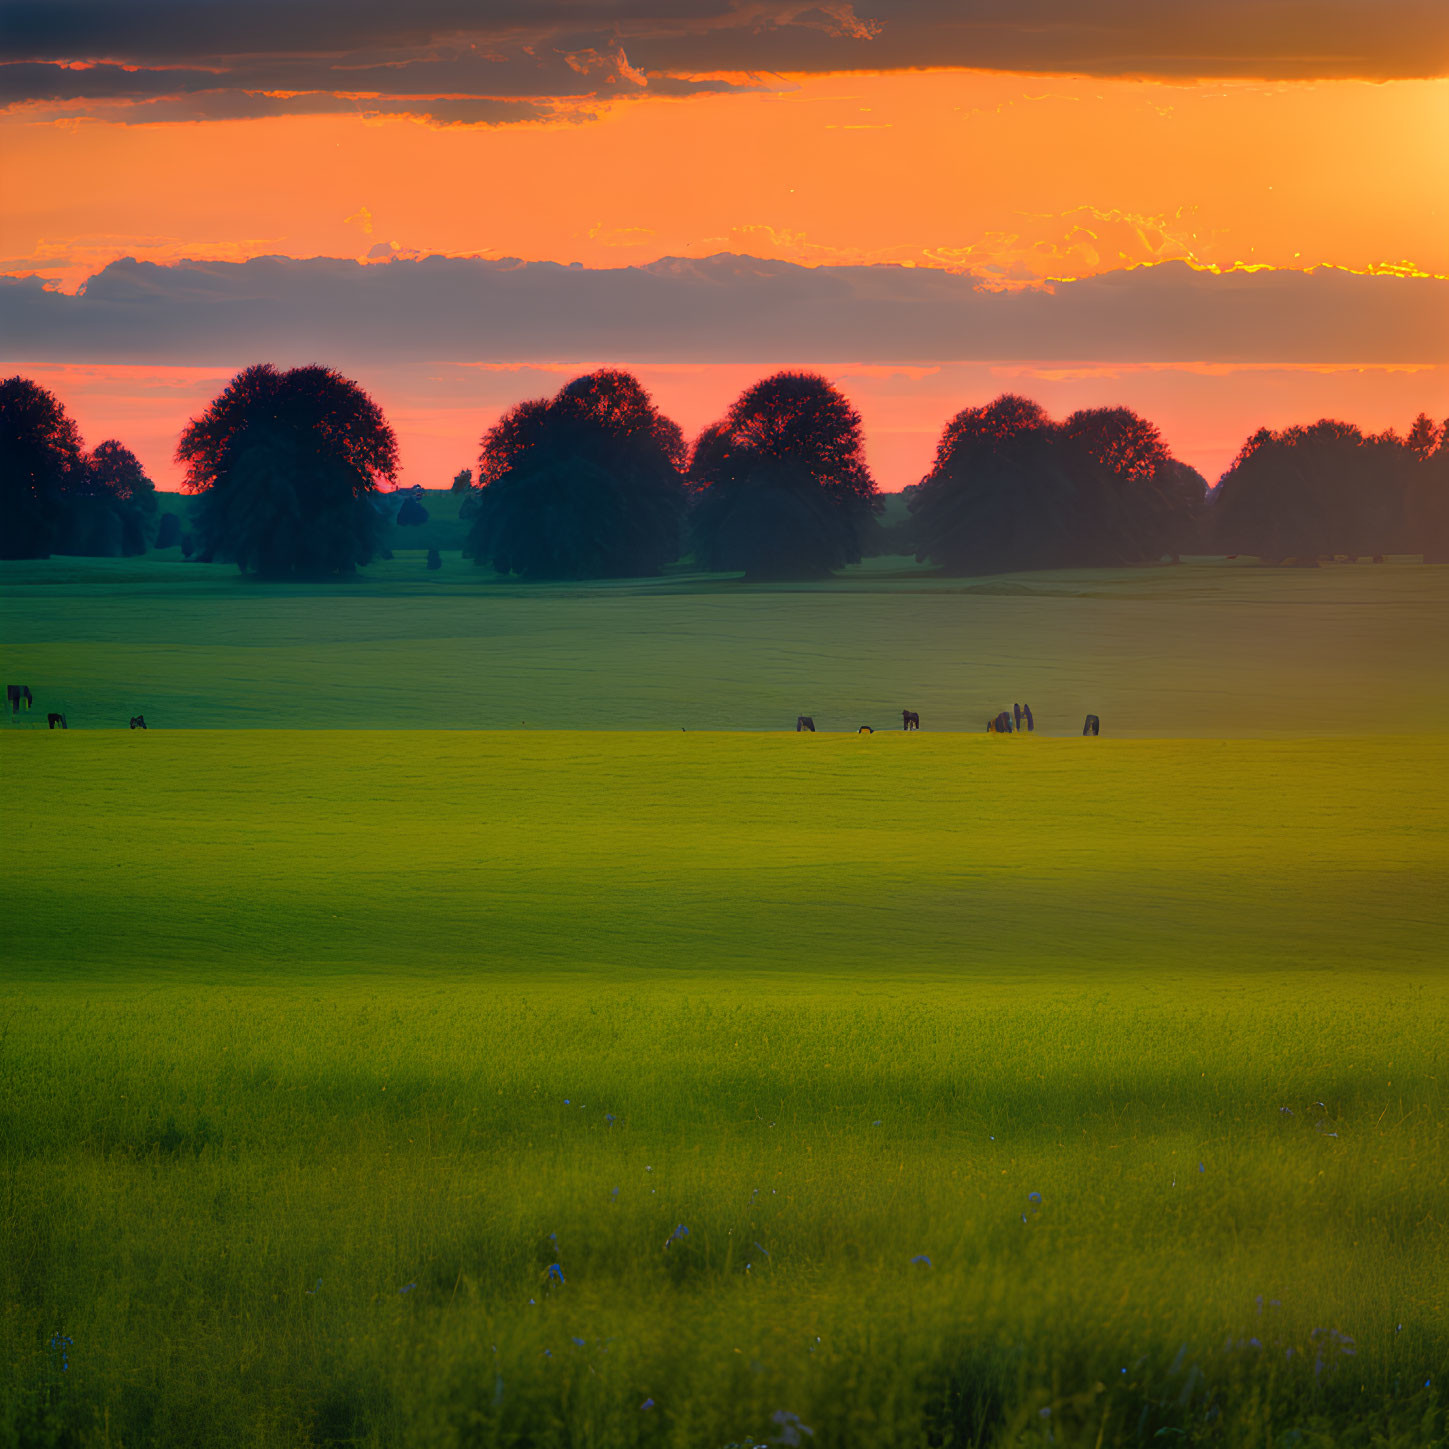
1221	213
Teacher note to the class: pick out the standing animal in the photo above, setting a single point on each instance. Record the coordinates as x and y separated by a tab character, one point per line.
1093	725
1016	710
804	722
1003	723
865	730
138	721
1030	722
52	720
16	695
910	720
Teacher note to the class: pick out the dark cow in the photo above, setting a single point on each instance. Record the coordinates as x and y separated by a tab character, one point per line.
1003	723
804	722
1026	714
1093	725
910	720
16	695
138	721
52	720
1016	711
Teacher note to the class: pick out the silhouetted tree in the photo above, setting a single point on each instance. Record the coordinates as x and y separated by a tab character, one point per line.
1012	490
40	456
109	506
1185	492
168	531
1315	491
412	514
1428	500
285	465
463	481
781	487
1148	503
1424	437
1005	492
585	485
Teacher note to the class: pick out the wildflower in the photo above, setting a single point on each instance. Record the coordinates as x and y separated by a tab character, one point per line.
554	1271
407	1288
875	1124
762	1248
790	1427
1033	1197
613	1194
577	1342
609	1118
921	1258
647	1404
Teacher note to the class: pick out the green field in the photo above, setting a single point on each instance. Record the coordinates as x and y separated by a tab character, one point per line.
1208	650
318	1047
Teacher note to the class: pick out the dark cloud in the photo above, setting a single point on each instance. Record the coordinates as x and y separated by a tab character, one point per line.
719	309
591	50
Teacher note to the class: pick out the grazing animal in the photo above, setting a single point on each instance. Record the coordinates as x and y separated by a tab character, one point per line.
51	720
1030	722
910	720
1016	710
16	695
1003	723
804	722
138	721
865	730
1093	725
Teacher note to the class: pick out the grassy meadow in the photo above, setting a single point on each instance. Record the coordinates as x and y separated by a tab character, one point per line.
617	1086
1210	649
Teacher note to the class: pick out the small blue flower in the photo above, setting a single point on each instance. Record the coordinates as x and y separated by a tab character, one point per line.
555	1271
1033	1197
407	1288
613	1194
921	1258
578	1342
647	1404
609	1118
762	1248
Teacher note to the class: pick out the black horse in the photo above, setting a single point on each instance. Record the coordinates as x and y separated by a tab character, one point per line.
54	720
16	694
1093	725
138	721
804	722
910	720
1016	711
1003	723
1026	715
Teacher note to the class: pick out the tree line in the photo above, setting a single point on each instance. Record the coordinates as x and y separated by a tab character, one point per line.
287	469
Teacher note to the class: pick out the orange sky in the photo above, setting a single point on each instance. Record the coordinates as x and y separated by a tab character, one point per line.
1013	178
1041	176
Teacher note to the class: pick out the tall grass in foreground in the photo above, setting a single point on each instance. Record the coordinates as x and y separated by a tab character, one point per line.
575	1212
552	1091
